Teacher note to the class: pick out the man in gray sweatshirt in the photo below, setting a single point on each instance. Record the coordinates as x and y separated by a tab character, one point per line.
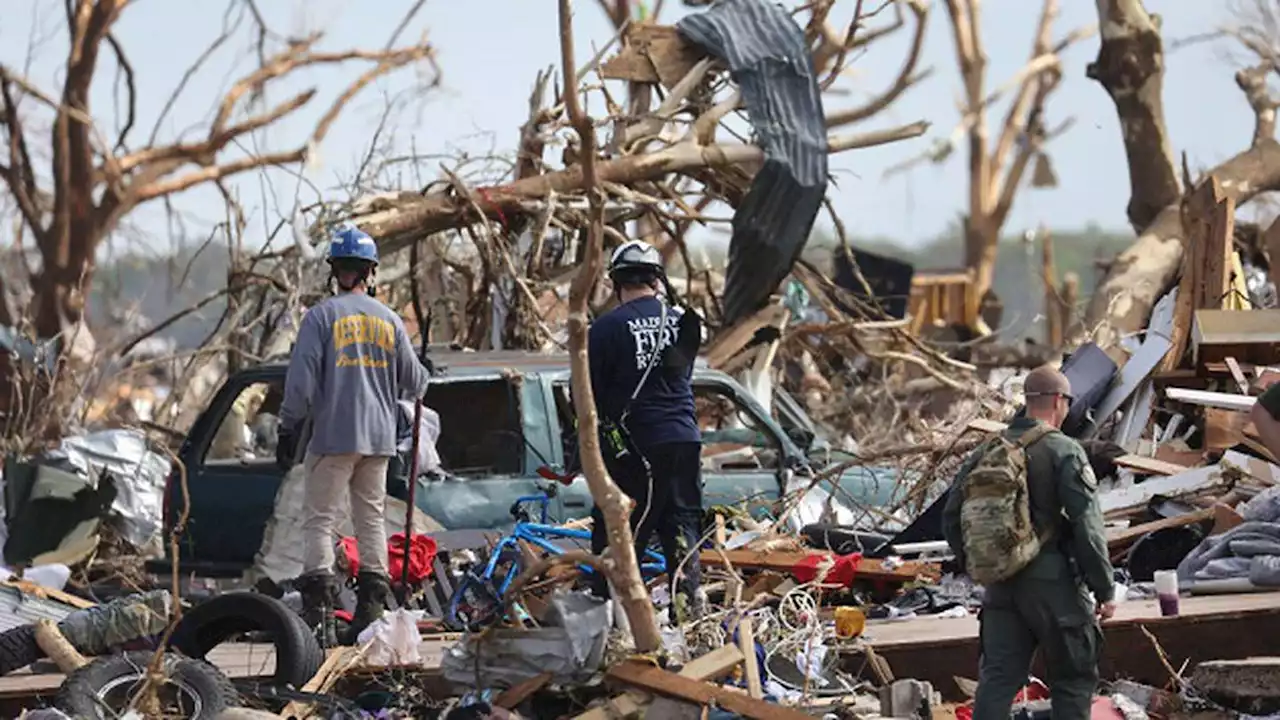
353	360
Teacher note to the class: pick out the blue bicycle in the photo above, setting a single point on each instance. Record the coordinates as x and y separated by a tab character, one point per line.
478	600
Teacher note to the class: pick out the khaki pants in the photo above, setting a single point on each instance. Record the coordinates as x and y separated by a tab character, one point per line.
329	480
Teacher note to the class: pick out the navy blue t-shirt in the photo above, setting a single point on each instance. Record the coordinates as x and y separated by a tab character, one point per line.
622	343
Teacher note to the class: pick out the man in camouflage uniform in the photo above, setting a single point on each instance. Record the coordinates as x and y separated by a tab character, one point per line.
1047	605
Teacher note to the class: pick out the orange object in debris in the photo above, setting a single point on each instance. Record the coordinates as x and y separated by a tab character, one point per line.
850	622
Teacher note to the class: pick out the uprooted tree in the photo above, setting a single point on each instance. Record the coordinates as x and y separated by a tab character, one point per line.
1130	66
72	203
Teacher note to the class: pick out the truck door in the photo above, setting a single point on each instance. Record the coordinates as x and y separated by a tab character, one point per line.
232	477
741	454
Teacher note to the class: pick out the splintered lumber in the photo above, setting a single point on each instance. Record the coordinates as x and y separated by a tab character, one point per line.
1118	539
715	664
785	562
1208	214
337	662
660	682
728	343
652	54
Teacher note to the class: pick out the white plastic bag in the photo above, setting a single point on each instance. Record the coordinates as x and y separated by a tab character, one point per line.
393	640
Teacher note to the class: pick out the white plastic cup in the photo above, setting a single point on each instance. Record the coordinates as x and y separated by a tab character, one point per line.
1166	582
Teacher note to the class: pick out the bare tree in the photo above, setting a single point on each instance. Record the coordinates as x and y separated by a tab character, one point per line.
1130	66
997	169
93	181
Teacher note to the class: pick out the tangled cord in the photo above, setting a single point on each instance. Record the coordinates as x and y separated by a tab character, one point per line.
799	631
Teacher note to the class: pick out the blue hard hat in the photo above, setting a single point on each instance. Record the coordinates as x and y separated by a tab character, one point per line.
350	242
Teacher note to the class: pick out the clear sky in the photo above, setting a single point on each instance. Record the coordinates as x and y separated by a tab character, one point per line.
490	51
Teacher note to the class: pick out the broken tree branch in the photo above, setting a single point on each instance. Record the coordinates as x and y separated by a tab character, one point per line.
613	504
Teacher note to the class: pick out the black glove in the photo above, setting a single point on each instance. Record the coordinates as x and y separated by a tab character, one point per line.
286	449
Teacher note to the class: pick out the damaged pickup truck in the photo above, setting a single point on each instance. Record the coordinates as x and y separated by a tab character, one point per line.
503	416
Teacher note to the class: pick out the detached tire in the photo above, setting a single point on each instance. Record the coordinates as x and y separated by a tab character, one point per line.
18	648
217	620
107	688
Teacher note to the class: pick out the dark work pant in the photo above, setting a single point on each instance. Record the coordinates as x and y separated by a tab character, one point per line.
1022	615
674	508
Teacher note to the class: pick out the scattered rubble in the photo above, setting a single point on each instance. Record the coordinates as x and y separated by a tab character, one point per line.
828	592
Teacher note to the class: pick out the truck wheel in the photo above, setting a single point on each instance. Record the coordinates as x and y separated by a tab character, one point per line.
219	619
18	648
107	687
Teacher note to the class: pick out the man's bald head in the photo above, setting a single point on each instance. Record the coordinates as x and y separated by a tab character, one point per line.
1048	394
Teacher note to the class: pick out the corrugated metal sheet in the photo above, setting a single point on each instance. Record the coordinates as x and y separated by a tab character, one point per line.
770	61
18	608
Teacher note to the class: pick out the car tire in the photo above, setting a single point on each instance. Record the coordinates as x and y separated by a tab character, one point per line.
103	688
18	648
213	622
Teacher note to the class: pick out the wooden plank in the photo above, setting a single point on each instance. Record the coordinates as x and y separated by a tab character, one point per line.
932	632
747	641
40	591
660	682
714	664
335	662
1117	539
1229	628
1223	429
1204	398
785	562
1238	375
511	697
728	343
1149	466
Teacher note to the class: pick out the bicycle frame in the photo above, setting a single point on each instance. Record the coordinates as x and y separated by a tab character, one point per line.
540	534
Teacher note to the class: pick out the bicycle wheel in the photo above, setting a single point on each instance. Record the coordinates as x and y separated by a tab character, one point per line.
474	605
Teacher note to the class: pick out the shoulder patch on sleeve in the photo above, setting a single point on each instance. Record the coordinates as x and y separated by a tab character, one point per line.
1087	477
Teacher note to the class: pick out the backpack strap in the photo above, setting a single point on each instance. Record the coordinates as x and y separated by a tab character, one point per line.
1034	435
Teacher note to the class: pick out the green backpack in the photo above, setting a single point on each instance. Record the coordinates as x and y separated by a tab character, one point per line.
995	511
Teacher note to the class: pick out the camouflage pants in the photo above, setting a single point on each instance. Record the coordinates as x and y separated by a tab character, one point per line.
1055	617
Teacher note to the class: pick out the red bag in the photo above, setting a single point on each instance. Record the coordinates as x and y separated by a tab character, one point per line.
422	553
842	572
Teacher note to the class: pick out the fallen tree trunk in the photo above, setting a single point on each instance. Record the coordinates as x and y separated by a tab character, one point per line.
1130	65
403	222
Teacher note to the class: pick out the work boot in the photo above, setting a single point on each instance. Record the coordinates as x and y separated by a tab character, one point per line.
319	596
372	591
